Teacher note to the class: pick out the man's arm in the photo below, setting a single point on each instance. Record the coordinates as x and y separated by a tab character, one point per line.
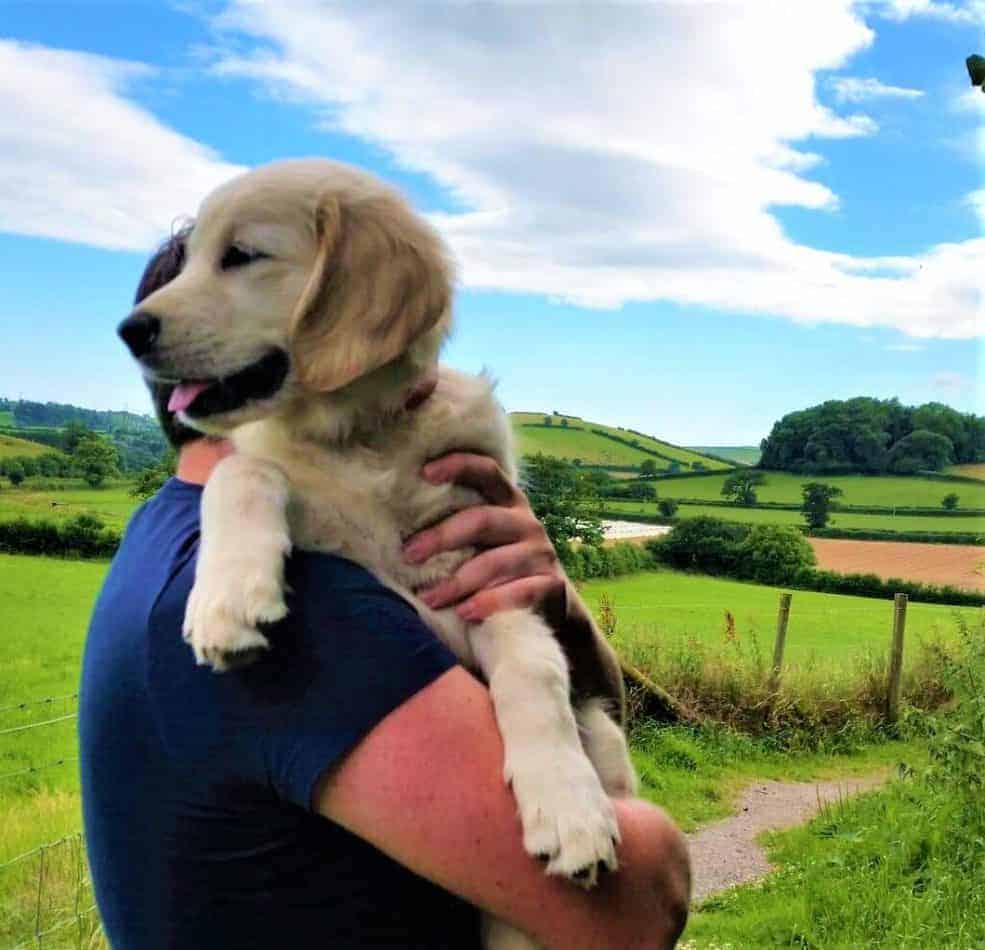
425	786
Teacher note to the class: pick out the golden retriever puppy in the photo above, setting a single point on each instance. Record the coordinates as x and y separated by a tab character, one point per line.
312	303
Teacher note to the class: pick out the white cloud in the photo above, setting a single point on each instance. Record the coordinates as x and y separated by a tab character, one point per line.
905	347
604	154
952	382
857	89
970	12
80	162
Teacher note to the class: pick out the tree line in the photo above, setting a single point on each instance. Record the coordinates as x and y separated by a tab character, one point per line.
874	436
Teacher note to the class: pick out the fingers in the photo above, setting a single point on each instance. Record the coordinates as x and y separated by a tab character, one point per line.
526	592
492	569
484	526
473	471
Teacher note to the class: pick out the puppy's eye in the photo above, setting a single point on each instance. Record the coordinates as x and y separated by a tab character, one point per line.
237	256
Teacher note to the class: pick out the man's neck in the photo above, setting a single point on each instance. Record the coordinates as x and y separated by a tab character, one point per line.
197	459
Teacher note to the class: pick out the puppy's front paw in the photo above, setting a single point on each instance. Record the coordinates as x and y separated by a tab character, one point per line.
224	610
568	820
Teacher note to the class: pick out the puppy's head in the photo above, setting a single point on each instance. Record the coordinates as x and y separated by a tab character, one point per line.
300	278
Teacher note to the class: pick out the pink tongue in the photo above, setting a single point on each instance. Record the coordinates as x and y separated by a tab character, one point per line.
183	395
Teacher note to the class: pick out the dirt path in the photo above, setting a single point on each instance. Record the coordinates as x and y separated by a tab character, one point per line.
726	853
962	565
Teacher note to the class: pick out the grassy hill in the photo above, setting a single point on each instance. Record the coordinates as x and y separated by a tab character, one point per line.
743	454
10	446
902	491
572	438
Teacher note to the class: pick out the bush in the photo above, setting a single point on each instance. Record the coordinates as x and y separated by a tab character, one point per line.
774	554
82	536
667	507
704	544
950	502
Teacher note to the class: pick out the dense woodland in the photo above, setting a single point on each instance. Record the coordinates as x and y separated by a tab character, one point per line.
876	436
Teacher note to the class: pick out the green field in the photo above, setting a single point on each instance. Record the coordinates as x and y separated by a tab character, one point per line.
743	454
662	609
577	441
7	418
865	490
112	505
10	446
973	524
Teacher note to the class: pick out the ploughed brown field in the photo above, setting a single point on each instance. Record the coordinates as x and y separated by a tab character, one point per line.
961	565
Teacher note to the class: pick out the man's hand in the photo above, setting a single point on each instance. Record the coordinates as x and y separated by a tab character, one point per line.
516	565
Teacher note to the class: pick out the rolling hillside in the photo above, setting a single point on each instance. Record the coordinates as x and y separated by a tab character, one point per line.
595	444
743	454
11	446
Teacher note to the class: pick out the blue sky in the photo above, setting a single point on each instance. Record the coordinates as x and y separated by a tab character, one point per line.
686	218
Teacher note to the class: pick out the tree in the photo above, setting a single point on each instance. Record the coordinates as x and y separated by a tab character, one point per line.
921	450
15	472
150	479
96	459
548	421
818	502
565	501
564	423
675	466
73	434
648	468
740	487
950	502
774	554
668	507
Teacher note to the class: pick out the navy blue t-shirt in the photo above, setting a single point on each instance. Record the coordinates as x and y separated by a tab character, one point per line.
196	786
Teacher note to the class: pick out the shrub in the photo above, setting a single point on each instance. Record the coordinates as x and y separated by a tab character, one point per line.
774	554
703	543
82	536
667	507
950	502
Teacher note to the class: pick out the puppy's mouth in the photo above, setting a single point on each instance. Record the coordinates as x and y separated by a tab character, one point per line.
199	398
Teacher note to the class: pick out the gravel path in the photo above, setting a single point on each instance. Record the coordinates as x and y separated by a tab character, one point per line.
726	853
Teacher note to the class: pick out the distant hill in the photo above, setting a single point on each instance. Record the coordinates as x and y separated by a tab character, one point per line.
743	454
596	444
138	438
11	446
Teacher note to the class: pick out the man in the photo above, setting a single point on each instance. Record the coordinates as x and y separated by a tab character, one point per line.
346	789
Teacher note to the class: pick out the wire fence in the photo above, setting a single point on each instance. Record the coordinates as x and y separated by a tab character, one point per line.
46	898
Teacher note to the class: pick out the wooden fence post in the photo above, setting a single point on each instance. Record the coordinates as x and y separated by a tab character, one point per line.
781	640
896	658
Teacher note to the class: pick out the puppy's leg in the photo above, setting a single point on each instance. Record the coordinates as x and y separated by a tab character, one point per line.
239	577
606	747
567	818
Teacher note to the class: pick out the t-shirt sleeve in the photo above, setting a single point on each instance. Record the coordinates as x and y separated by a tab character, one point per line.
363	652
349	652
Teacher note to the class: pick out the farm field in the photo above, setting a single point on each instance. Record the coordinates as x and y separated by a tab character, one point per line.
973	470
960	565
882	490
11	446
973	524
578	441
662	609
743	454
113	505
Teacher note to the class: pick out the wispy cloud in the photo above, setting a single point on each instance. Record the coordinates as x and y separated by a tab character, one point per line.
645	168
856	89
81	162
969	12
952	382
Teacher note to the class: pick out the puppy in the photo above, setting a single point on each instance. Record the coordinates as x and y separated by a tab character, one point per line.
312	304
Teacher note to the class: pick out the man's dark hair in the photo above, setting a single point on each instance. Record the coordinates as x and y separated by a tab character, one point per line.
165	264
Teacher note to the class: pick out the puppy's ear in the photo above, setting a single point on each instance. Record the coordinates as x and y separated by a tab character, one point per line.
380	280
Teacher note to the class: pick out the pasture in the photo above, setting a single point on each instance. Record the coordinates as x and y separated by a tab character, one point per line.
743	454
972	524
865	490
11	446
113	504
577	441
663	610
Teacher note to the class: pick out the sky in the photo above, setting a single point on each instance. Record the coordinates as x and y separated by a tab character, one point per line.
686	218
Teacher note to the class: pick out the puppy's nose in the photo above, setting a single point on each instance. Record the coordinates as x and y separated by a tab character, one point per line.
140	332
